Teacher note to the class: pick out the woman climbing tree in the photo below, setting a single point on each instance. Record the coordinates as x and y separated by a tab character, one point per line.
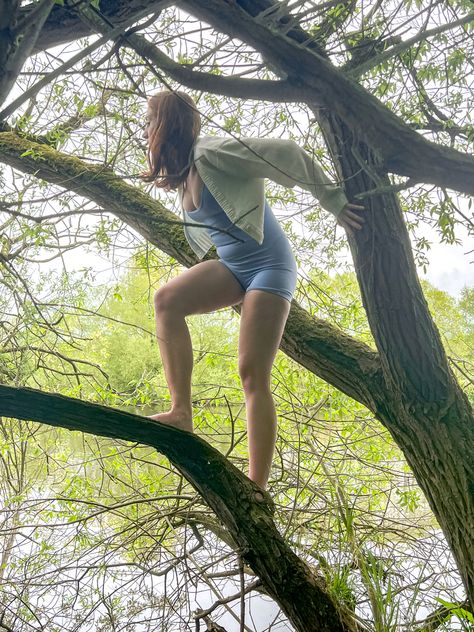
221	187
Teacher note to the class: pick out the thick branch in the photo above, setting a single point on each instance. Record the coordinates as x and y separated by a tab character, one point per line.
426	411
17	38
229	493
242	88
64	25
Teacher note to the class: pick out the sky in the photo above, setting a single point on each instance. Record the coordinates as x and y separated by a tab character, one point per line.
451	267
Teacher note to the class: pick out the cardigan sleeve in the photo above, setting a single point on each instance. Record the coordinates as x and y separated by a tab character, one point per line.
280	160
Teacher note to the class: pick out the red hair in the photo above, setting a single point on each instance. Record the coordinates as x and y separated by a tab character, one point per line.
174	126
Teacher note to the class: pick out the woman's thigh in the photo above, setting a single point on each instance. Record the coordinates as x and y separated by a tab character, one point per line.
262	322
203	288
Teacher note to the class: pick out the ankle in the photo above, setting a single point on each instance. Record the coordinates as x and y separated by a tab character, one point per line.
182	410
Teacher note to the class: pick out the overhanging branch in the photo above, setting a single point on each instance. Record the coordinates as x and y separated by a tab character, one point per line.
242	88
400	148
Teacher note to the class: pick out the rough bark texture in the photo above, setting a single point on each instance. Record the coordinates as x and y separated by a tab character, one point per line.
18	33
426	412
298	590
64	25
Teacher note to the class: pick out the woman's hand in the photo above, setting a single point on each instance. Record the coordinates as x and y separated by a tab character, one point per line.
348	219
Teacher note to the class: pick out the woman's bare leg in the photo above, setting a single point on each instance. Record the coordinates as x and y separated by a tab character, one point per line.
205	287
263	318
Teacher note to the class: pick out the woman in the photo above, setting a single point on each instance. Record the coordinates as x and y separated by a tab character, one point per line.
221	187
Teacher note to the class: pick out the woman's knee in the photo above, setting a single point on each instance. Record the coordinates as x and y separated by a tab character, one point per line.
166	300
253	376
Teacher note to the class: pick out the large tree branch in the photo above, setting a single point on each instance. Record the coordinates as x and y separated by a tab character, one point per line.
64	25
242	88
17	38
229	493
342	361
426	411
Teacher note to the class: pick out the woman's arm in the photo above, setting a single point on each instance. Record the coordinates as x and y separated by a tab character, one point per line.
281	160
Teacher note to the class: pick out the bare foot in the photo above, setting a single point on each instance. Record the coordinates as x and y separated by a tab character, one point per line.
183	421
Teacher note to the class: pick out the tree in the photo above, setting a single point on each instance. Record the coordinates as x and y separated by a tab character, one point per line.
333	67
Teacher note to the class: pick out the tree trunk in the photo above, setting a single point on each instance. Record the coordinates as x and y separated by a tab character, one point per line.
422	405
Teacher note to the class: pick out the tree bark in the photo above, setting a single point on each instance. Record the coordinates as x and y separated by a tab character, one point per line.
64	25
18	33
426	411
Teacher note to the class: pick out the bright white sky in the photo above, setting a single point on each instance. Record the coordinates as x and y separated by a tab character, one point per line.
451	267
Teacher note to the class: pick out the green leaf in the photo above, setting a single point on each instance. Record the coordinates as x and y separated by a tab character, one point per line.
456	610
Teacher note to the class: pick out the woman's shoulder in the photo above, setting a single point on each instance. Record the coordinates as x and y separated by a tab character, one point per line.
203	142
239	146
212	142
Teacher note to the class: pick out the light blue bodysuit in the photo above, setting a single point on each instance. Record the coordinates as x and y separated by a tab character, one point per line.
270	266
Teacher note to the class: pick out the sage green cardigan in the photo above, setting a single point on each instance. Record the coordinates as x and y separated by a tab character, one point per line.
234	171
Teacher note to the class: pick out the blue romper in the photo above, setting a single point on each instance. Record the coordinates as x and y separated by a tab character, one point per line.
270	266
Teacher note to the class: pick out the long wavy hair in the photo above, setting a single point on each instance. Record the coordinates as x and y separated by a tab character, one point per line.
174	125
